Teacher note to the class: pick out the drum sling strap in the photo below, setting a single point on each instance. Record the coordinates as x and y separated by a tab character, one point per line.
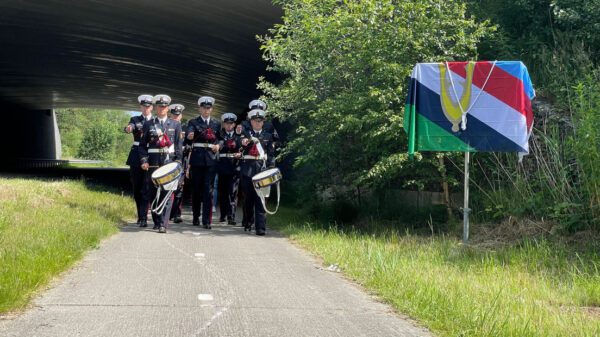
261	195
159	208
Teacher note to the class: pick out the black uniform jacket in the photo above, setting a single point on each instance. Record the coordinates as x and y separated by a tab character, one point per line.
150	141
203	156
137	124
267	126
231	145
250	167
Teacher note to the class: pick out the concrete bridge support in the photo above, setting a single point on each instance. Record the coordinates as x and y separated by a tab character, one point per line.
29	135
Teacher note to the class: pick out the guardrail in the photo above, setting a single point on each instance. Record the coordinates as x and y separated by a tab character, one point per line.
116	178
26	163
30	163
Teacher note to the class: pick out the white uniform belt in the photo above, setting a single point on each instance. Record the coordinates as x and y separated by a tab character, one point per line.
136	143
205	145
254	157
227	155
162	150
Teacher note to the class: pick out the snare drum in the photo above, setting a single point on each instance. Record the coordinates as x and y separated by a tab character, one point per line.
262	185
266	178
167	174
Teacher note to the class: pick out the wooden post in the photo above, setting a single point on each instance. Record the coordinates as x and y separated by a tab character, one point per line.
445	188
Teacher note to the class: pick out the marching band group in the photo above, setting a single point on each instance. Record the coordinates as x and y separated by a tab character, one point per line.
204	148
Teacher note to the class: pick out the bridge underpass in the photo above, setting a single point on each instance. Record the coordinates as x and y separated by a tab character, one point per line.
104	53
189	282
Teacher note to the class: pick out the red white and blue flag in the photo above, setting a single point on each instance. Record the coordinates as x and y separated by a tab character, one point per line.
469	107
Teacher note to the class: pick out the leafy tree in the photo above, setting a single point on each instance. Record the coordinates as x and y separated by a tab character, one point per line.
97	142
345	67
527	27
75	123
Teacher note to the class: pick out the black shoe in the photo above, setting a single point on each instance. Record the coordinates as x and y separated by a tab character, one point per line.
207	226
196	223
231	222
164	230
260	233
143	223
139	221
222	220
177	220
156	227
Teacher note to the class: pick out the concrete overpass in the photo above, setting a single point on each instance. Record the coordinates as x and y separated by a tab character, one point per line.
103	53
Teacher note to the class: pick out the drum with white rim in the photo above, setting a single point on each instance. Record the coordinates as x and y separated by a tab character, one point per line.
266	178
262	183
167	176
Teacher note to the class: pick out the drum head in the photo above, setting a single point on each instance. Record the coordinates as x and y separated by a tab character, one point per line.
165	169
166	174
266	178
266	173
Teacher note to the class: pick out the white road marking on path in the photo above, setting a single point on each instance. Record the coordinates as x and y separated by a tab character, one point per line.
199	255
205	297
210	321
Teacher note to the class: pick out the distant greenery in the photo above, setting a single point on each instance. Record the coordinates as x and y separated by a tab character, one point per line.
344	67
45	226
532	288
94	134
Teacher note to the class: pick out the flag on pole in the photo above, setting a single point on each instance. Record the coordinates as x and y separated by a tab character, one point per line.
469	107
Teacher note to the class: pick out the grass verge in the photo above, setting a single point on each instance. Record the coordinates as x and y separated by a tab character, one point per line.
531	288
46	226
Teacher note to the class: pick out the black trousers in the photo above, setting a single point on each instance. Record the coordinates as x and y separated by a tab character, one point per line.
162	219
253	208
177	200
138	178
227	194
202	187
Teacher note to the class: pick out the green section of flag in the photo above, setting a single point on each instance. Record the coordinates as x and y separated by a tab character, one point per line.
425	135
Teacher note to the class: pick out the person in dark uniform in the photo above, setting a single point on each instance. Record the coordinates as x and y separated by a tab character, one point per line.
160	144
229	168
268	126
203	132
258	155
176	111
136	174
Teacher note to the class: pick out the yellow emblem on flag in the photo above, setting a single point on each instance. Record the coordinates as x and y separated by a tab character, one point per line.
454	111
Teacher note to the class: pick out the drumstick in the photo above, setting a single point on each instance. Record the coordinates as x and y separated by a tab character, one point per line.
187	169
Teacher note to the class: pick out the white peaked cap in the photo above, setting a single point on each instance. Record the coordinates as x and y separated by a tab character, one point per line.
145	98
206	100
162	99
257	104
256	113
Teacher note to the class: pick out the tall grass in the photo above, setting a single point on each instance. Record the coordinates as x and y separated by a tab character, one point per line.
536	288
560	178
586	143
45	226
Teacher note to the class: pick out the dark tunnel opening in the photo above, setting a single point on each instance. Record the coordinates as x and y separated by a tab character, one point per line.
103	54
